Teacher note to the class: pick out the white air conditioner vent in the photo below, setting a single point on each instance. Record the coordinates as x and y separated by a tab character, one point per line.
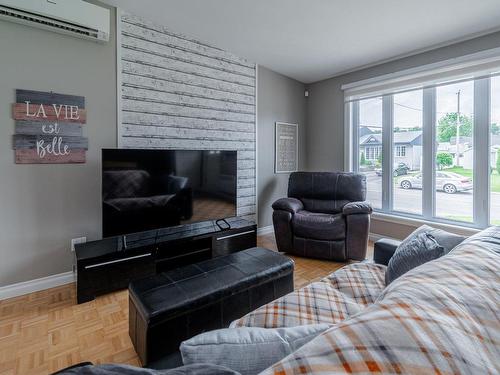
73	17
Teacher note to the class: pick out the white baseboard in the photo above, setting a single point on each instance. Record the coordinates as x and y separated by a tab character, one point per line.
36	285
265	230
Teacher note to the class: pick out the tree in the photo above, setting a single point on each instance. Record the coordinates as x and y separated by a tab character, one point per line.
447	127
498	161
362	159
444	159
495	129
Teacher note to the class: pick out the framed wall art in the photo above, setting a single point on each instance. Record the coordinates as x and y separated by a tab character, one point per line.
286	148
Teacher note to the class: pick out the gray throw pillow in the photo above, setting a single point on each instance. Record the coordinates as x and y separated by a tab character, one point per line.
247	350
446	239
413	252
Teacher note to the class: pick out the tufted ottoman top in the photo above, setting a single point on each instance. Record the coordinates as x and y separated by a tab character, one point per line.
165	295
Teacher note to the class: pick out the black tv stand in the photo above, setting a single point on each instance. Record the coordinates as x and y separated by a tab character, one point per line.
109	264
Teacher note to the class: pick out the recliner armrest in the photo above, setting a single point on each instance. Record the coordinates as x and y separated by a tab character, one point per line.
384	249
291	205
353	208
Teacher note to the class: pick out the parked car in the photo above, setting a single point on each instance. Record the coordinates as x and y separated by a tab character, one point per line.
448	182
399	170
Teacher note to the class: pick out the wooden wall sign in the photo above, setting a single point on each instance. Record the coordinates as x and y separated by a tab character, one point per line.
49	128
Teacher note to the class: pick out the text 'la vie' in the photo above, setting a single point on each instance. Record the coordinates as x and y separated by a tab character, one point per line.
68	112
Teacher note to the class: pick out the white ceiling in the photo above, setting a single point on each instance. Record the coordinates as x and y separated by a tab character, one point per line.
311	40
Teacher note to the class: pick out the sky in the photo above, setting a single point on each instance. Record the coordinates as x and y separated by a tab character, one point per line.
408	105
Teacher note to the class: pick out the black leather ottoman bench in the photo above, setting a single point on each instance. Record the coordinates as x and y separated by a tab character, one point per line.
171	307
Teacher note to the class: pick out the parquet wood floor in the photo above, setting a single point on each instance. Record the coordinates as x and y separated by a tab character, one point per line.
307	270
46	331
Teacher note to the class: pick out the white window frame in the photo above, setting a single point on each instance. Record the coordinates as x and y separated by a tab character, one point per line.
482	111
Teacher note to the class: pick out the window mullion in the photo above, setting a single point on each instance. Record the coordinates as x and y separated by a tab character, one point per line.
481	144
355	136
387	151
429	153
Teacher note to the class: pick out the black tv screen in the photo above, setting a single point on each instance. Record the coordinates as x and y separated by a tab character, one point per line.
151	189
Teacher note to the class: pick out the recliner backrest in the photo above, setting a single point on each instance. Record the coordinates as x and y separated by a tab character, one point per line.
327	192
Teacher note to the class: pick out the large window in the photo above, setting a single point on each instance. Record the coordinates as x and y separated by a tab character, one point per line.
431	152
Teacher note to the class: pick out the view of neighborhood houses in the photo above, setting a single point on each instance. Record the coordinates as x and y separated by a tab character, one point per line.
454	158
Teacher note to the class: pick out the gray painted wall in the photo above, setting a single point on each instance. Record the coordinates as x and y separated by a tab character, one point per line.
181	93
279	99
325	120
43	206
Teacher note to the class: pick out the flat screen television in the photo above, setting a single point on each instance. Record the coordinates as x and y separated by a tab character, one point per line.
150	189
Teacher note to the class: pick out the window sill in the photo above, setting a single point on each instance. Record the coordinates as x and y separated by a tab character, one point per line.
414	222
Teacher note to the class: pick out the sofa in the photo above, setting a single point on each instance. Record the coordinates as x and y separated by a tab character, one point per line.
441	317
324	216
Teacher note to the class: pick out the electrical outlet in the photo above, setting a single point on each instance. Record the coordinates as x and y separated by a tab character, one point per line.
78	240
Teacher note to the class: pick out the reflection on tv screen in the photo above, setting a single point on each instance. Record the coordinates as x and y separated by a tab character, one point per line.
150	189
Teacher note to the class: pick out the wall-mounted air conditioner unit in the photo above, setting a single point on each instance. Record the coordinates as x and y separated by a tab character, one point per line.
74	17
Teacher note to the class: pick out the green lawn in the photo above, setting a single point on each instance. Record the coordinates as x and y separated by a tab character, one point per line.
461	171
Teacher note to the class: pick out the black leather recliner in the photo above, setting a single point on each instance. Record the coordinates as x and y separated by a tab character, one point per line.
325	216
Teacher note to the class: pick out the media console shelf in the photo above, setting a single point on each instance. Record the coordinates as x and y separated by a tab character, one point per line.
109	264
